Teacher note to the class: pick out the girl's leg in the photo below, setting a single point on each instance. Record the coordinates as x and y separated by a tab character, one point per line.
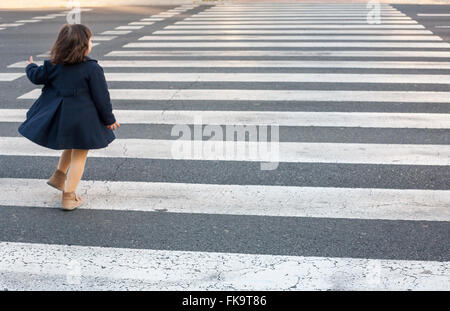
64	160
58	178
78	157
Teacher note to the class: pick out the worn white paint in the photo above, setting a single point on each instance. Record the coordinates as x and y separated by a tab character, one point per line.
263	63
141	23
290	37
296	31
433	14
10	76
281	118
128	27
270	95
296	22
322	202
11	25
231	44
328	26
32	266
282	53
271	151
116	32
103	38
28	21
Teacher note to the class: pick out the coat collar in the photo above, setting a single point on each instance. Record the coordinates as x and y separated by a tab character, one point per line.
90	59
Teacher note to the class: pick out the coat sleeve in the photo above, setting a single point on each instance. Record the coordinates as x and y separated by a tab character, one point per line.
100	94
37	74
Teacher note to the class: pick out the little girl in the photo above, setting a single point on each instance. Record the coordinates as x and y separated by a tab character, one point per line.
73	112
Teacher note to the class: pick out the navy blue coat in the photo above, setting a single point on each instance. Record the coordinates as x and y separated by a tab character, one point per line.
73	108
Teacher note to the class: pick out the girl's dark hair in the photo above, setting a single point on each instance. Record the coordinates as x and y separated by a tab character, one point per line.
71	44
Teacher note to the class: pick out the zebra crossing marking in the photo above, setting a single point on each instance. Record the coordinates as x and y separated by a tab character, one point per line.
116	32
139	269
11	24
282	53
28	21
279	77
128	27
296	32
10	76
306	26
301	18
103	38
141	23
270	95
295	22
318	202
264	64
293	152
281	118
289	37
227	44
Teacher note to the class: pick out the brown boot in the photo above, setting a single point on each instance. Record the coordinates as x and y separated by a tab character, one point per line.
57	180
70	201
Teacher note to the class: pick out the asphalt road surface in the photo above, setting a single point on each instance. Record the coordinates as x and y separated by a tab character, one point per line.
360	194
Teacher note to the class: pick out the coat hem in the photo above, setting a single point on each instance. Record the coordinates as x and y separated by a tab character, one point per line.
69	146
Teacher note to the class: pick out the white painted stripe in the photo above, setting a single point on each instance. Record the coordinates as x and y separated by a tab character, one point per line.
81	9
263	63
295	32
288	37
296	9
293	9
207	18
44	17
2	28
11	25
152	19
270	95
32	266
141	23
281	118
442	26
329	26
388	154
278	77
103	38
128	27
116	32
226	44
28	21
10	76
295	14
321	202
282	53
433	15
296	22
57	14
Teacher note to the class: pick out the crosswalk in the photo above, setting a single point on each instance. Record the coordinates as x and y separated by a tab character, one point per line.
360	196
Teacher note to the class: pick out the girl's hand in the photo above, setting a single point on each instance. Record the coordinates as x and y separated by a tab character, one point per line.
113	126
30	60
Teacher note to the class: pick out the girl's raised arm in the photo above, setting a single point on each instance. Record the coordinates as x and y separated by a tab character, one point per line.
36	74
